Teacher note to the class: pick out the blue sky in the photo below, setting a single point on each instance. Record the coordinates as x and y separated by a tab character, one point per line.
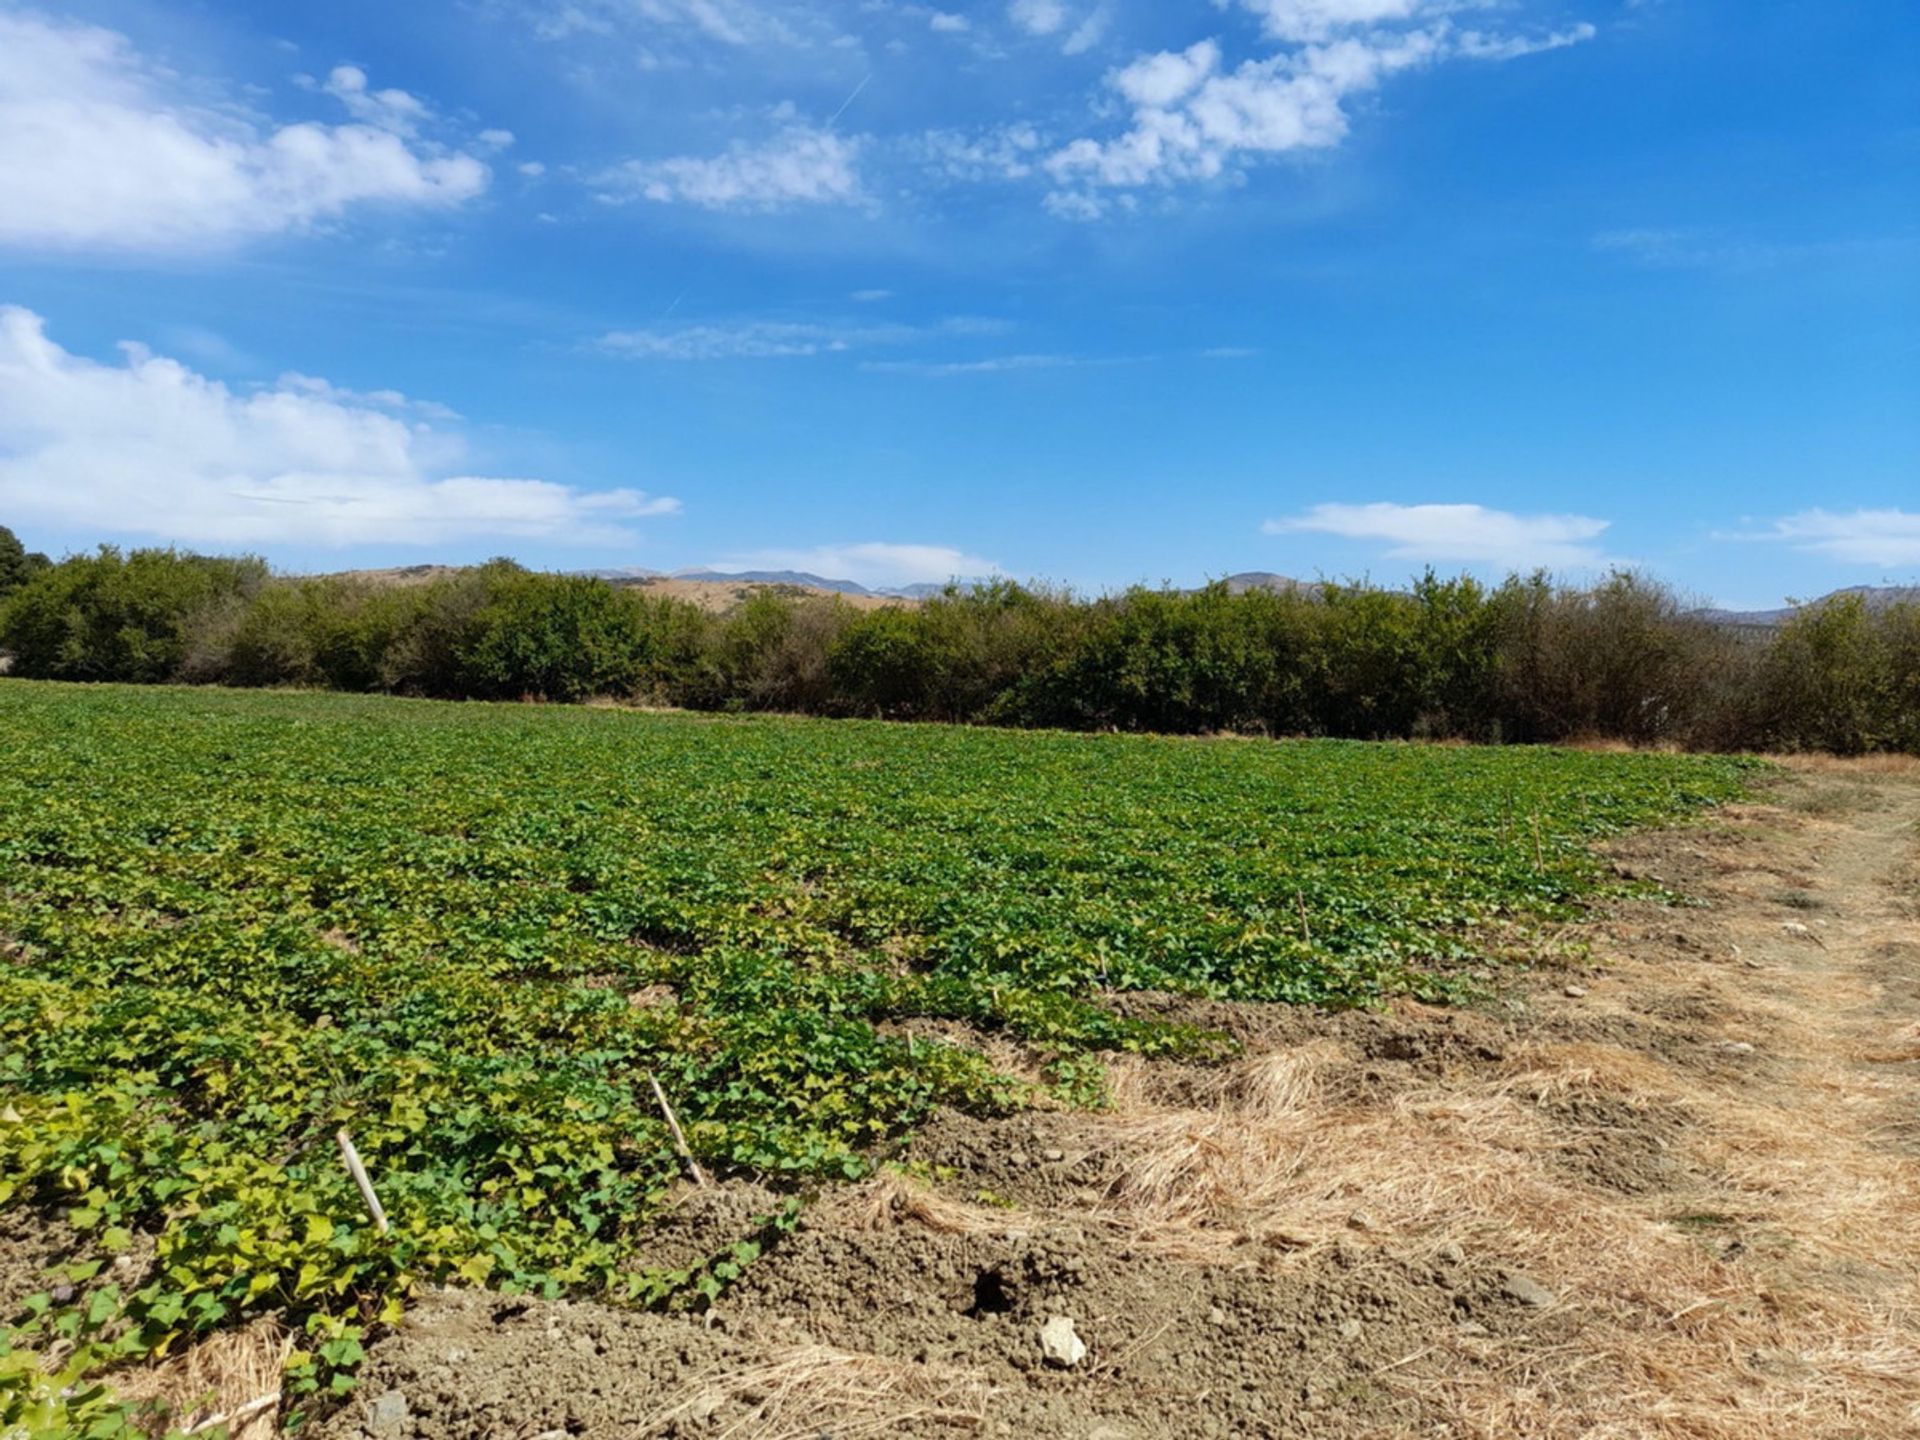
1097	291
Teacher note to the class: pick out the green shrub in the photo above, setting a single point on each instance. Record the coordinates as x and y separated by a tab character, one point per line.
114	616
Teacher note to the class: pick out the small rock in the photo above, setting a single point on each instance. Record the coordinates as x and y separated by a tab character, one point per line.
387	1414
1450	1254
1060	1344
1529	1291
1575	992
584	1345
1361	1220
1350	1329
1216	1316
1018	1157
1053	1156
1469	1327
1737	1047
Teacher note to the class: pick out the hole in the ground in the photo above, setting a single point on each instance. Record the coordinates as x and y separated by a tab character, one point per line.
989	1295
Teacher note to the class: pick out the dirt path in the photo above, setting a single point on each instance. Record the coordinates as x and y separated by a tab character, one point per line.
1672	1189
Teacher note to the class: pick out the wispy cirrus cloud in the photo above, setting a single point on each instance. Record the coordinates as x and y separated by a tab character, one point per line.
1685	248
104	150
150	448
1887	536
799	165
780	339
1471	534
985	365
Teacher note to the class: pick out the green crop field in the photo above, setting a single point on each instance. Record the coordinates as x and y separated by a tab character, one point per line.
233	923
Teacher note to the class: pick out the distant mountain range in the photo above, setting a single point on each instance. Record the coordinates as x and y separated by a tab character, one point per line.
1876	597
802	578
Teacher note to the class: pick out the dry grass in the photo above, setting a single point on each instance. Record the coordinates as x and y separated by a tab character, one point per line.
1771	1292
231	1378
813	1390
890	1198
1898	766
1672	1339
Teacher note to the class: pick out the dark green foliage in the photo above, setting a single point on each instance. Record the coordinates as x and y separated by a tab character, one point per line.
114	616
17	564
1526	661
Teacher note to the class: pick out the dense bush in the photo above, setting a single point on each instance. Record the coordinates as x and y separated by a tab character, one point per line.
1527	660
17	564
109	616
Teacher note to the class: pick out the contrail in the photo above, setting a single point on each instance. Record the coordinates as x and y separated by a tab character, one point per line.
850	99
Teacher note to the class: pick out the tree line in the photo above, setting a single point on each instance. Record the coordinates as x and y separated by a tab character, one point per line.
1528	660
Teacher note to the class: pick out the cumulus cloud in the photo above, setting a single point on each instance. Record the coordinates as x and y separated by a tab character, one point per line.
801	165
1471	534
1194	117
949	24
150	448
99	152
1038	17
873	563
1884	537
387	109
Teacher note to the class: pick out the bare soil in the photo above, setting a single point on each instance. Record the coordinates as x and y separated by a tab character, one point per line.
1668	1185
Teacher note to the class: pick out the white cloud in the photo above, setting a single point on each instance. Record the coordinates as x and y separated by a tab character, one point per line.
378	399
1038	17
947	24
1195	119
730	22
393	110
1465	533
150	448
97	152
1088	33
1160	80
871	297
1304	20
532	169
1886	537
802	165
1476	46
1008	152
990	365
874	563
780	339
748	340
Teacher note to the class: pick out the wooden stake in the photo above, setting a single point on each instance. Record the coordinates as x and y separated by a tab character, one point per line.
679	1140
234	1418
1539	856
1306	931
359	1174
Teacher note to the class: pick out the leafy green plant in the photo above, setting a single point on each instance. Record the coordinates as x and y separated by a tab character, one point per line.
234	923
